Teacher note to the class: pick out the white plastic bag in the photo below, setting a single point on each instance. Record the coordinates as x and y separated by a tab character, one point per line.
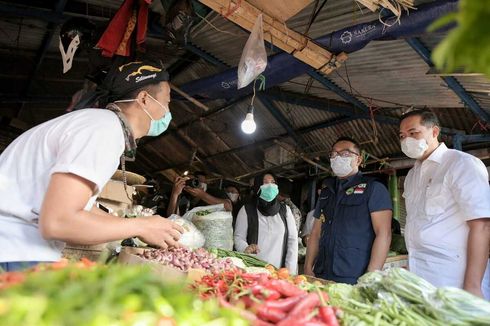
192	238
254	58
215	223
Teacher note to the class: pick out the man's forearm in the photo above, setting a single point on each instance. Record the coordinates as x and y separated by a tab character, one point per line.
311	251
211	200
88	228
379	251
172	205
477	255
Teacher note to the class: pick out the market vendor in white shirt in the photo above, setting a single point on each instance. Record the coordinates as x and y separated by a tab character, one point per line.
51	175
448	207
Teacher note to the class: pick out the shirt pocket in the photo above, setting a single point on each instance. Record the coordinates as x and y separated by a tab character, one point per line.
436	199
353	212
351	256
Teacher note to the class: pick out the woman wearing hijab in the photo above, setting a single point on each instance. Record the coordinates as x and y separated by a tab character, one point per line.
266	227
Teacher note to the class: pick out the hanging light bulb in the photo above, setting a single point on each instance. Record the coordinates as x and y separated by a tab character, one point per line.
248	125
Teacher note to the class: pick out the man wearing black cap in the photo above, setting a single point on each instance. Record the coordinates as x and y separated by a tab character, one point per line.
51	175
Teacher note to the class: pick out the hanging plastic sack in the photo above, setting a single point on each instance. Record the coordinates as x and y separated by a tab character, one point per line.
191	238
254	58
215	224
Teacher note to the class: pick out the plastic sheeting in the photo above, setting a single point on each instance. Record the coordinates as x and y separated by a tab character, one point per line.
350	39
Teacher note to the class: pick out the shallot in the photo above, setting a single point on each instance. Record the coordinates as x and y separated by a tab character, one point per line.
183	259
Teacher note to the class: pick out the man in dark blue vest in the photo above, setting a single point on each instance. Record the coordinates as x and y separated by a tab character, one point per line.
352	231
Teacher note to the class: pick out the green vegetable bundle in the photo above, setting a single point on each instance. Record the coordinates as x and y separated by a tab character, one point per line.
106	295
248	260
397	296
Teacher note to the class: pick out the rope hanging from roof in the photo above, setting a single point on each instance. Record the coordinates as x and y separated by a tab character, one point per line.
395	6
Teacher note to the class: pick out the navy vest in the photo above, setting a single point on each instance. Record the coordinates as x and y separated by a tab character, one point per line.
347	232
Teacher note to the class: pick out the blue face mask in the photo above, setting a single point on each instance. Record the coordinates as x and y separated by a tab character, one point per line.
269	191
158	127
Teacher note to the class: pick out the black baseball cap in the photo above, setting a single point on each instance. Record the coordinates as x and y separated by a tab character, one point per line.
135	75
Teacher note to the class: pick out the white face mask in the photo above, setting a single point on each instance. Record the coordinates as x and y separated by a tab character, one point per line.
341	166
204	186
233	197
414	148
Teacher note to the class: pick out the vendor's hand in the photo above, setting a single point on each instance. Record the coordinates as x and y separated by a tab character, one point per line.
308	270
252	249
158	231
179	184
195	192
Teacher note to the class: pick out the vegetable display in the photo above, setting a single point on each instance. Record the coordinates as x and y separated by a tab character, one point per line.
248	260
106	295
184	259
266	299
396	297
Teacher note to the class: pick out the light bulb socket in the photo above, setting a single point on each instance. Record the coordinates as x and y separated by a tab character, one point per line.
250	109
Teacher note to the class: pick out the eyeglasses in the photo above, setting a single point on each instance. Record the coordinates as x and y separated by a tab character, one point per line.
343	153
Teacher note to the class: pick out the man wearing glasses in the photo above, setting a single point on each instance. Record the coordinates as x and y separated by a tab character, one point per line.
352	231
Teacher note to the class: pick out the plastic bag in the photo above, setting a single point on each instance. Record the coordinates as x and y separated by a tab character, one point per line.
192	237
254	58
215	224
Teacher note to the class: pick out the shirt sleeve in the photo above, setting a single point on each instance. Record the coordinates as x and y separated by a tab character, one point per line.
469	186
292	254
241	228
91	152
379	199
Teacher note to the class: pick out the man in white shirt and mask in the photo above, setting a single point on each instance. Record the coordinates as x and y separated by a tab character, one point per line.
448	207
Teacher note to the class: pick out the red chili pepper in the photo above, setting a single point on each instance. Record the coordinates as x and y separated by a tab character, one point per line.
285	288
328	316
284	304
306	305
259	322
293	321
314	323
270	314
243	313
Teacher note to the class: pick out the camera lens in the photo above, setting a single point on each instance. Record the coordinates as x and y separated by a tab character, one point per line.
194	183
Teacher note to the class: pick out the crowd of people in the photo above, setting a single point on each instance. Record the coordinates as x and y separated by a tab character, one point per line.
51	175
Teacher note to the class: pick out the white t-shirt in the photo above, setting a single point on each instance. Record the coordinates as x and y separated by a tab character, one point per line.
309	222
270	238
87	143
441	194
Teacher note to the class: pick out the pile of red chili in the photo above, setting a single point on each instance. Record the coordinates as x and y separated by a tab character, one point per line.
265	300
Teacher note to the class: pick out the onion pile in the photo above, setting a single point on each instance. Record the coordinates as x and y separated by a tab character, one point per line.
183	259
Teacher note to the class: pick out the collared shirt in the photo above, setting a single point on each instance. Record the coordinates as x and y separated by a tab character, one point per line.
441	194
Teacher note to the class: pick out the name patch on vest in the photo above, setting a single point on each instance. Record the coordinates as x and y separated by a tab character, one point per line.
357	190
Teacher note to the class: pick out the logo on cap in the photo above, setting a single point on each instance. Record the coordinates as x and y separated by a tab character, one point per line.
140	70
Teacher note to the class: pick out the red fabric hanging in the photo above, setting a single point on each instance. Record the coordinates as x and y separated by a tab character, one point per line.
117	36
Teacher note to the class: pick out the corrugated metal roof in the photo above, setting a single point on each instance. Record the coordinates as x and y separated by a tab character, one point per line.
389	75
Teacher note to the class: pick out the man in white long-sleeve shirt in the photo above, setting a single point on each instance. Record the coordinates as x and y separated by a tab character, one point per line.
448	207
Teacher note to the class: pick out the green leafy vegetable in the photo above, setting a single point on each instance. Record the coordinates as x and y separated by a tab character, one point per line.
466	46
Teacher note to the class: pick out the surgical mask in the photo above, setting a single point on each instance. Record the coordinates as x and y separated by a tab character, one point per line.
414	148
269	191
158	127
341	166
233	196
204	186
